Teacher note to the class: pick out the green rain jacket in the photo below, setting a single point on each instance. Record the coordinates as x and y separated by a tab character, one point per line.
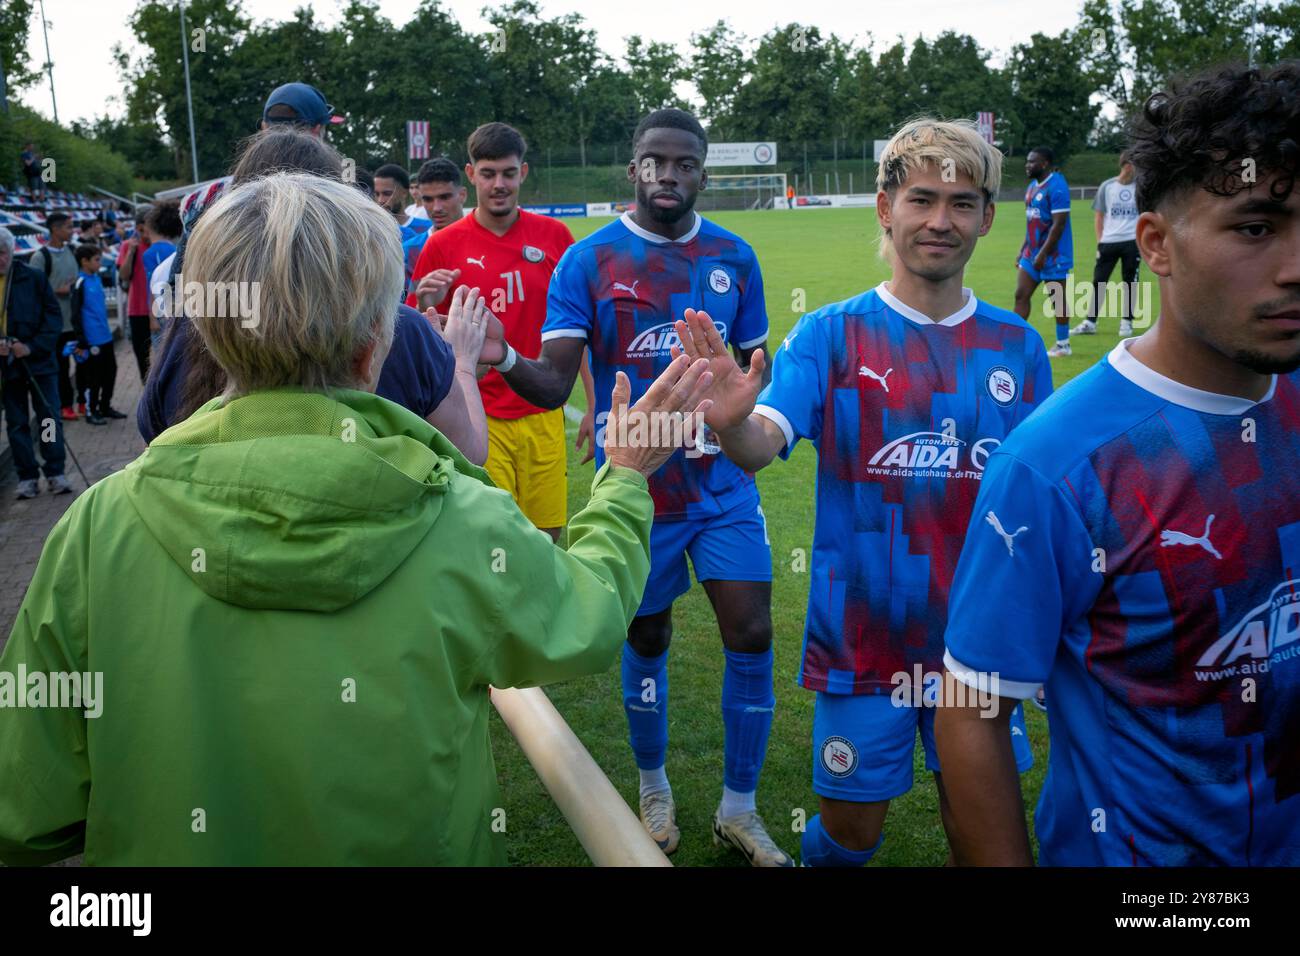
297	604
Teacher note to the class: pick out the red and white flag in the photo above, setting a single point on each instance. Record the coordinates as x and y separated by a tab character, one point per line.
417	139
984	121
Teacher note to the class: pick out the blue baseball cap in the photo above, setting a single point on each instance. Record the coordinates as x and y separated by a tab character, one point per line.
307	102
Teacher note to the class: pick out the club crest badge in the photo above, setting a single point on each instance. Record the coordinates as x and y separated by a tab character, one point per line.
839	756
1002	385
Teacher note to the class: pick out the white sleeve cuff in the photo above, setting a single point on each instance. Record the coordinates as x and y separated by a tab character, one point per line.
988	683
563	334
758	340
1055	211
783	423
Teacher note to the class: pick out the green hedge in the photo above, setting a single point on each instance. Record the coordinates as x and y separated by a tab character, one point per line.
79	163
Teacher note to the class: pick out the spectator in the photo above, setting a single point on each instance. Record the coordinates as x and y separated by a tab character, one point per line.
164	228
301	106
30	320
57	263
31	160
89	233
111	236
98	373
416	209
359	734
420	373
132	276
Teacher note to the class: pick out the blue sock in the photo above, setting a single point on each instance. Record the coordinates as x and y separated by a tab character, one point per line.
747	705
818	849
645	699
1062	331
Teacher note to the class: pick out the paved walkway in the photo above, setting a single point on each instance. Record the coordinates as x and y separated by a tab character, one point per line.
101	449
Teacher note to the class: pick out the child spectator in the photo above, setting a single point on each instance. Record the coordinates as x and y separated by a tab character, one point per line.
96	376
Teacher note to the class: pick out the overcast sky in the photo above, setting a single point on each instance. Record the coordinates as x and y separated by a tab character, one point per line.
82	32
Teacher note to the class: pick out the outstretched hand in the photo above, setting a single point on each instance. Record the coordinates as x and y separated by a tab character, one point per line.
494	334
641	437
734	391
465	327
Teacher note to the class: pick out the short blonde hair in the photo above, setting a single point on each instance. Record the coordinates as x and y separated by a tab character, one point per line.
927	140
321	265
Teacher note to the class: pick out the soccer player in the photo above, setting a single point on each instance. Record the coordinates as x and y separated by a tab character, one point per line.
441	192
1048	252
393	192
1115	221
508	254
442	201
1148	566
904	390
618	292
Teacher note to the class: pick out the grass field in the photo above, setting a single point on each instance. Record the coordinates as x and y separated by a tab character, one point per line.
831	255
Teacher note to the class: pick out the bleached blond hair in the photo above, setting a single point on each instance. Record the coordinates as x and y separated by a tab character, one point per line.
948	145
951	144
325	264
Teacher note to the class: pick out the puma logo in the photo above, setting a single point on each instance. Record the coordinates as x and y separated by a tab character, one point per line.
631	289
992	519
1170	538
478	262
867	373
644	710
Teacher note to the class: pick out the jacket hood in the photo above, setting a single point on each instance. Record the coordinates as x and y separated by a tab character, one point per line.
294	500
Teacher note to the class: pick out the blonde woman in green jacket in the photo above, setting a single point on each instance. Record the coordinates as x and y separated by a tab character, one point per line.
329	587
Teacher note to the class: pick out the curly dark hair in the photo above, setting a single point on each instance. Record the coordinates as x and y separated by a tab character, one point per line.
165	219
1201	132
671	118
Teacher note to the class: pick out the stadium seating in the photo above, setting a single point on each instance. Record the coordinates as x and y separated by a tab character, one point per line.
24	215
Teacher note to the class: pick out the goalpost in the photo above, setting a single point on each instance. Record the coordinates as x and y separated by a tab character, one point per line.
744	191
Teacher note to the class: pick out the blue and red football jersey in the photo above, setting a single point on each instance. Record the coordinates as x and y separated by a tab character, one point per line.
621	289
411	248
904	412
1136	547
1043	199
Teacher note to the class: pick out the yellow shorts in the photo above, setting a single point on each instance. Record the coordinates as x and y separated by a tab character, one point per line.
526	457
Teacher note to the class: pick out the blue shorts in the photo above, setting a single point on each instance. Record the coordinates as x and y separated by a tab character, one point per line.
1056	273
863	745
732	546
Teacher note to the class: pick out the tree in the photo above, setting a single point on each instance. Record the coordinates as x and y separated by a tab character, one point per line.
1134	47
15	24
718	68
1052	94
551	77
789	93
143	147
227	106
653	69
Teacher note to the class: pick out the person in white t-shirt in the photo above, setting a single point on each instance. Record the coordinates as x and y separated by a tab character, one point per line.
416	209
1115	219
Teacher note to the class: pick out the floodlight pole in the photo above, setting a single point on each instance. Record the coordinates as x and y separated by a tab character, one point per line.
49	64
189	100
